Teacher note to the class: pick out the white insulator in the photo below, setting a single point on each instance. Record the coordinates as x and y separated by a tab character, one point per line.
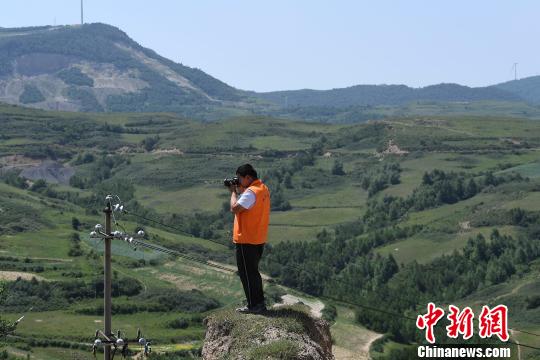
98	342
93	234
120	342
108	197
98	227
142	341
122	208
130	240
116	207
140	233
126	239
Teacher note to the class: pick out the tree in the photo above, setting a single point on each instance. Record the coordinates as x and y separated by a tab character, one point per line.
287	181
279	202
150	142
426	179
75	223
76	182
472	188
6	328
337	169
490	179
39	185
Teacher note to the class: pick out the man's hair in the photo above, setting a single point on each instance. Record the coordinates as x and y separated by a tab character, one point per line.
246	169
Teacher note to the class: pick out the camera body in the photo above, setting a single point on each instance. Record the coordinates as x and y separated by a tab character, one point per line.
231	182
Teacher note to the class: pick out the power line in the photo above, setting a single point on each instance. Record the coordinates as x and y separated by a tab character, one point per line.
204	262
182	232
220	267
295	267
432	266
367	307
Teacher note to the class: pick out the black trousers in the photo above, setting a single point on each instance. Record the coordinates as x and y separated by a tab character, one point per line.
247	259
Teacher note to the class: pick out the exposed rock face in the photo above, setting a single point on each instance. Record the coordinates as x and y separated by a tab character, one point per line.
50	171
284	333
96	68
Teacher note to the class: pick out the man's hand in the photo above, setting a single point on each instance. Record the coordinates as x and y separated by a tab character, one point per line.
237	189
235	207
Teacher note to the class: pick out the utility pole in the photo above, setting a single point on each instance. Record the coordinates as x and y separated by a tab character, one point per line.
515	70
105	339
107	279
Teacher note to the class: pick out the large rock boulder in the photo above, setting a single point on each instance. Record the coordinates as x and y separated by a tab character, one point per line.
284	333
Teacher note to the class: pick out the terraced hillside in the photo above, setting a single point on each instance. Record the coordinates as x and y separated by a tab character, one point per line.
359	211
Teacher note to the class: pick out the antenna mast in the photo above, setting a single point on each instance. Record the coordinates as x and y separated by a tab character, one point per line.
82	13
515	70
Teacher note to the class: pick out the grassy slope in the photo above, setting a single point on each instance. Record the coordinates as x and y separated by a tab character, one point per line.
191	182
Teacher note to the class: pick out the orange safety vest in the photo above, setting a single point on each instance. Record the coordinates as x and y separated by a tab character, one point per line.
251	225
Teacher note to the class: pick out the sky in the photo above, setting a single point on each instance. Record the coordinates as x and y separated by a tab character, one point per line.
297	44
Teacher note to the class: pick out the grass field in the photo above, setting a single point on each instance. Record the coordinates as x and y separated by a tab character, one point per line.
190	182
424	248
350	340
196	198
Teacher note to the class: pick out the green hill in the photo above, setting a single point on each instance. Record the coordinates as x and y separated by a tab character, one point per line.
389	214
374	95
97	67
527	88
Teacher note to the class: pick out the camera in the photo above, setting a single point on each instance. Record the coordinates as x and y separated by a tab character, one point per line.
230	182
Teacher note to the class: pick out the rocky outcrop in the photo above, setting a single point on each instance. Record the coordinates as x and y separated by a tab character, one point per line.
284	333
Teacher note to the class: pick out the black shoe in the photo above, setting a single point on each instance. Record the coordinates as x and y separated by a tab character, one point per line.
258	309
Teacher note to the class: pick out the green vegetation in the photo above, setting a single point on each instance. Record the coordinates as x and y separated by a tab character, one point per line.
31	95
372	95
44	295
74	76
454	218
5	326
379	178
85	97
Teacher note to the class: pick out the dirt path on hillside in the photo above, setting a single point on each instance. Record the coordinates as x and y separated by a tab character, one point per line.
351	340
42	258
316	306
513	291
431	125
517	343
358	344
13	275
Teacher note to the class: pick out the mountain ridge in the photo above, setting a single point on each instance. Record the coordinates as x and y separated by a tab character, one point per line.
364	95
99	68
124	75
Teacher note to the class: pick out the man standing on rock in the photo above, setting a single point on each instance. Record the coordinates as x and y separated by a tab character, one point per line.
250	203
